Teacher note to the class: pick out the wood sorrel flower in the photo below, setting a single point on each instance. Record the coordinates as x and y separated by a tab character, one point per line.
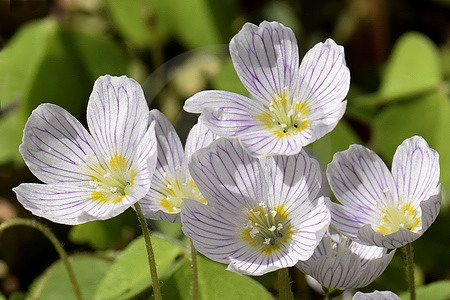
291	106
171	180
89	176
380	208
340	263
261	215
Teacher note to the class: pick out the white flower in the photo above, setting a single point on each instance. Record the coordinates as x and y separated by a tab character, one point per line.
382	208
291	106
340	263
261	215
89	176
171	181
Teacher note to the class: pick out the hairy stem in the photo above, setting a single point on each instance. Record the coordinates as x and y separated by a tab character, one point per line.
56	243
284	285
409	257
151	256
194	272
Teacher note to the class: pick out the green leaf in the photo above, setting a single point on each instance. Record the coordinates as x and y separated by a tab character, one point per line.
413	67
439	290
130	274
21	57
11	127
131	19
427	116
98	54
55	283
339	139
215	282
46	63
195	23
106	234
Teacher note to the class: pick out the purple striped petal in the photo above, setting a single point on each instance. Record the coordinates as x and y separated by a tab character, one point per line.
152	209
324	82
360	180
430	209
225	113
348	221
145	163
292	179
170	149
117	115
373	269
257	264
199	137
341	263
56	146
336	272
390	241
266	142
311	220
67	204
415	169
266	59
170	166
227	176
213	233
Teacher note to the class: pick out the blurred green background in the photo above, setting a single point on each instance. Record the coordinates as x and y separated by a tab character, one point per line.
398	53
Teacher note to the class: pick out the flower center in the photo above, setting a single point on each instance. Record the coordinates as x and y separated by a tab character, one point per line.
112	180
286	115
267	229
339	245
401	216
176	189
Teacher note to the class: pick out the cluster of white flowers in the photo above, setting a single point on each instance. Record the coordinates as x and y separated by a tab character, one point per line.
244	188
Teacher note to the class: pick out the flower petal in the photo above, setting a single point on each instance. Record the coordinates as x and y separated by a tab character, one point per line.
227	176
266	142
199	137
324	81
368	236
145	163
311	220
415	168
292	179
360	180
430	209
154	211
225	113
256	263
336	272
67	204
373	269
322	122
117	115
170	149
170	161
266	59
347	221
55	145
213	233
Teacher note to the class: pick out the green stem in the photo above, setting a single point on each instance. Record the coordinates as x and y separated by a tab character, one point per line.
56	243
194	266
284	285
151	256
409	257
